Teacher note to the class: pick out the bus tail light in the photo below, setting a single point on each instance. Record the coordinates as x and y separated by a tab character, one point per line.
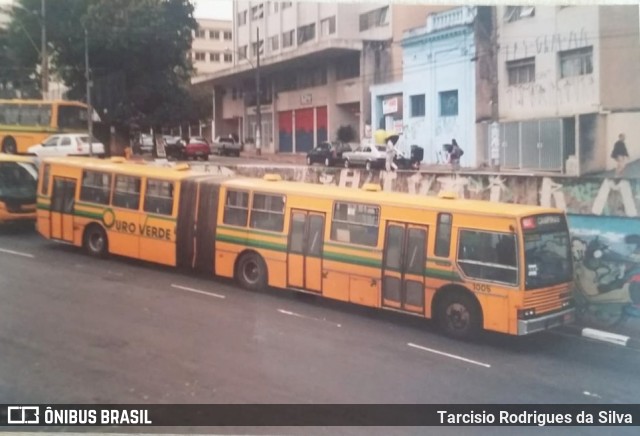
526	313
529	223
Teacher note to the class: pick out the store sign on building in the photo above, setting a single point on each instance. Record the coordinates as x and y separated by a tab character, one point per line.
305	99
390	106
263	109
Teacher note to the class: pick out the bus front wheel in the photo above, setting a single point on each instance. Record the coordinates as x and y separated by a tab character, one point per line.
9	145
251	272
95	241
459	315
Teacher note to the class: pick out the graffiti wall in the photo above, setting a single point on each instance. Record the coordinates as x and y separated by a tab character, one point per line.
603	218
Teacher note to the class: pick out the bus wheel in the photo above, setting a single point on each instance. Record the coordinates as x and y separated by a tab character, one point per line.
459	316
95	241
251	272
9	145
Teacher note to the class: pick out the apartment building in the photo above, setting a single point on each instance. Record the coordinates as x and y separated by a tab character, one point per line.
317	61
212	47
569	83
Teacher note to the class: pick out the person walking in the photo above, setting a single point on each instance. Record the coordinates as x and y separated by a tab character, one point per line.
391	152
620	154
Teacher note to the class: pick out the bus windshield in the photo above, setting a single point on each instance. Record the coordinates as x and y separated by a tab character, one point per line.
547	252
18	180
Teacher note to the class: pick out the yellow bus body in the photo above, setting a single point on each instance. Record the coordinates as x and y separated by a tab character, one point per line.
22	134
18	209
196	234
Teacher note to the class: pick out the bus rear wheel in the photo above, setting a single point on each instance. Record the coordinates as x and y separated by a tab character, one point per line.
251	272
459	316
9	145
95	241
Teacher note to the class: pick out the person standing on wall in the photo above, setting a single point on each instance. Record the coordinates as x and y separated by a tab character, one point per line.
620	154
455	154
391	152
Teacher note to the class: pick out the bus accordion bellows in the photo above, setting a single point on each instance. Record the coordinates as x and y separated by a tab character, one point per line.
469	265
18	180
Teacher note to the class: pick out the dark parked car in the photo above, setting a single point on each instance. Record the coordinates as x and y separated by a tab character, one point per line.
327	154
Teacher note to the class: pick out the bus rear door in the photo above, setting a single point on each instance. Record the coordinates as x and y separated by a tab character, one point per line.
306	235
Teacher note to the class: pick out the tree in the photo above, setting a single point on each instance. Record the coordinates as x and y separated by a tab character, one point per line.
137	48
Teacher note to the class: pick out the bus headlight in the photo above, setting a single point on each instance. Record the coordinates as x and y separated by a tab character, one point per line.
567	303
526	313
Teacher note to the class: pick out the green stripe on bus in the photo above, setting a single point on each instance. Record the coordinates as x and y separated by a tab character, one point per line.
351	247
253	232
252	242
443	275
96	216
354	260
8	129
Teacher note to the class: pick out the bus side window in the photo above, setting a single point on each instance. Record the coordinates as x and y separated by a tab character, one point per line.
96	187
443	235
127	192
44	190
159	197
236	208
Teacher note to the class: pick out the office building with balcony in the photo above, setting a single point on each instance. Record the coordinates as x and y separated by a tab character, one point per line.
317	62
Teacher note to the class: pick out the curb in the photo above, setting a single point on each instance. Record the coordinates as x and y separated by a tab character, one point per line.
604	336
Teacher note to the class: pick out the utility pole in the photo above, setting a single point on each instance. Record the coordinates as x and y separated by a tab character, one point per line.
258	112
44	66
87	76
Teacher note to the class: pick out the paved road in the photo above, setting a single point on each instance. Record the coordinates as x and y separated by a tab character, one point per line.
74	329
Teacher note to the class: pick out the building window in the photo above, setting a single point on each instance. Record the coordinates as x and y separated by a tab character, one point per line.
488	256
306	33
576	62
521	71
267	212
514	13
201	34
96	187
242	18
449	103
287	38
242	52
214	57
159	197
200	56
255	46
417	105
275	42
228	57
214	34
328	26
227	36
348	68
355	223
236	208
375	18
286	5
257	12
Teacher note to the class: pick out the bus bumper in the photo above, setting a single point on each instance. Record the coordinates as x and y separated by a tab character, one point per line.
546	322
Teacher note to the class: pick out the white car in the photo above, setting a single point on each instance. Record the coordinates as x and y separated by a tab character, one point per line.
68	144
371	156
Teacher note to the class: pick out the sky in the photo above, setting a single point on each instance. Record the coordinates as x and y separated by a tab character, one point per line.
220	9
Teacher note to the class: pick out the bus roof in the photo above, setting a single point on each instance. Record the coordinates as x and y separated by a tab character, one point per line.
31	101
121	166
15	158
391	198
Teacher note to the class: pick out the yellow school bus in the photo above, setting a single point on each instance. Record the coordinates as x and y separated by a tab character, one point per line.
24	123
469	265
18	180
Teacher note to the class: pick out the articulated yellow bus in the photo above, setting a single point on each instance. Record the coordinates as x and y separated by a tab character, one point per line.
24	123
18	180
470	265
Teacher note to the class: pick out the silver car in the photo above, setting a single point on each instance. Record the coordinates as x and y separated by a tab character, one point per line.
371	156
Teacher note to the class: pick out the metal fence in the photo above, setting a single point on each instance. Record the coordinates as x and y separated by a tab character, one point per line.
531	145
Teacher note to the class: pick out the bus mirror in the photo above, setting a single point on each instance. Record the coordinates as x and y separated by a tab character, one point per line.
272	177
371	187
448	195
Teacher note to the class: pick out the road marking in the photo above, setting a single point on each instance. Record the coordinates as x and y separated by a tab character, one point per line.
453	356
17	253
297	315
197	291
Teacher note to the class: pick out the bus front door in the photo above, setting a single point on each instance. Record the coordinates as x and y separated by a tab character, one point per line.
403	268
62	205
304	253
